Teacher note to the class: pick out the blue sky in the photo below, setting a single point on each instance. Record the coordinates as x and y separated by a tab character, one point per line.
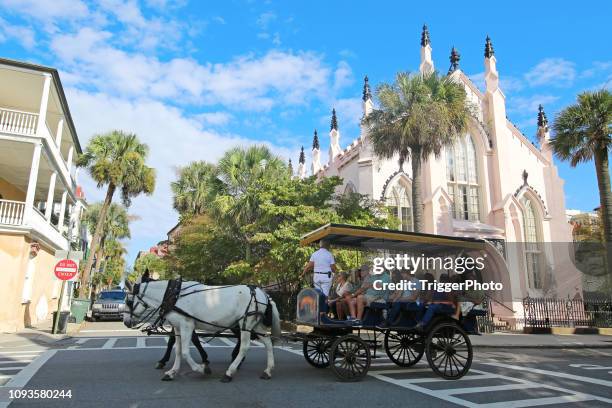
195	78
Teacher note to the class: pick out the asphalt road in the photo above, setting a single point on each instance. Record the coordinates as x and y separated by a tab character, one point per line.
109	366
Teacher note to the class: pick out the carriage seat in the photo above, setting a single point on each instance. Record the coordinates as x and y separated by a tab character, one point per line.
373	314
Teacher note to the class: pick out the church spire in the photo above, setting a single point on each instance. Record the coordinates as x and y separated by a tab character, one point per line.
542	119
454	60
334	138
290	168
301	172
427	66
489	51
315	165
425	36
334	120
367	94
315	140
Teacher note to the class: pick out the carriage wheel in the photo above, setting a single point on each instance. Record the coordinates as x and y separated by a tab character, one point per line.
350	358
316	352
404	348
449	351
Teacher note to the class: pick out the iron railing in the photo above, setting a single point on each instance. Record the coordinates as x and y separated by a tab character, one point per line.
553	312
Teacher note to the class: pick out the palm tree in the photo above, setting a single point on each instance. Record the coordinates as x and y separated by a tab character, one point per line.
239	171
418	116
582	134
116	159
116	226
195	188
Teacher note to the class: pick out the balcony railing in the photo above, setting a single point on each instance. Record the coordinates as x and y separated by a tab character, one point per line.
18	122
11	212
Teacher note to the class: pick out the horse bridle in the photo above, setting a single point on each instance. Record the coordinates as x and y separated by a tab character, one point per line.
140	296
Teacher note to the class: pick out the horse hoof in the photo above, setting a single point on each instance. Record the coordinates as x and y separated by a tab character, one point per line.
159	366
265	376
207	370
166	377
226	378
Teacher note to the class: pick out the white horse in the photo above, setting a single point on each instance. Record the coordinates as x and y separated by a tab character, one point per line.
207	308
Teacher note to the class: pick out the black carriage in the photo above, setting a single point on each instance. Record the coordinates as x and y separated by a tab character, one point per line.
349	349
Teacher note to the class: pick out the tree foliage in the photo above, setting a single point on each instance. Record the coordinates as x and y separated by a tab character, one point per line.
418	115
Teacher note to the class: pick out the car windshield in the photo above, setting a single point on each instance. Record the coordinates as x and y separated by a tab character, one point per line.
112	295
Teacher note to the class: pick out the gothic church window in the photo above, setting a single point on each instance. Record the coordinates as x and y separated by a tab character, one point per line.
462	179
398	202
533	251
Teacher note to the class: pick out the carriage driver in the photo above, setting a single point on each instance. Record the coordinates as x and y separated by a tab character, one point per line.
323	265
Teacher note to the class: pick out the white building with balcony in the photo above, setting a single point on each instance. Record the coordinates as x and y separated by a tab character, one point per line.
39	199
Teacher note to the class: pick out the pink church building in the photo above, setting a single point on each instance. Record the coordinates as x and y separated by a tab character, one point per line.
493	184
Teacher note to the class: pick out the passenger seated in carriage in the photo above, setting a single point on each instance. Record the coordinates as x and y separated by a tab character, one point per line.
341	297
440	303
366	294
403	299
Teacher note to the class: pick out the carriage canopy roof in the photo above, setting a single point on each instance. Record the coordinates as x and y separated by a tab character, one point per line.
393	240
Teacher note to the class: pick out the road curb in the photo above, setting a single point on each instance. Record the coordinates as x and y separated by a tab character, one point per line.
543	346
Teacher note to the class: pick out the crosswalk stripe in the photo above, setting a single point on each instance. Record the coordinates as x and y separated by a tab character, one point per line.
27	360
492	388
533	402
109	343
21	352
140	342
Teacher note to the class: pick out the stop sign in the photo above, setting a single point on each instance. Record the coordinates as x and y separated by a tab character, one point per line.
66	269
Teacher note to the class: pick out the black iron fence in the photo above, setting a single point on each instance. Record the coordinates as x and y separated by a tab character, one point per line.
551	312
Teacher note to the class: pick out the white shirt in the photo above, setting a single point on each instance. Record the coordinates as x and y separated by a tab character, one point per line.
343	289
323	260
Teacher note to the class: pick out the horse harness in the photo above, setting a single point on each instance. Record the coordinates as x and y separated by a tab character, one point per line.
173	293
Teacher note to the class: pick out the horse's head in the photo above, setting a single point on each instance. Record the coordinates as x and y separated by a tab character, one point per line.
137	310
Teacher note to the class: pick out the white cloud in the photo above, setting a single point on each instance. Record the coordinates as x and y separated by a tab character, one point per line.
552	71
264	19
22	34
343	75
48	12
349	111
215	118
247	82
529	105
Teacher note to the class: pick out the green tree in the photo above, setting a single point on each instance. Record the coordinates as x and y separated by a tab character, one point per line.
582	134
240	171
111	265
196	188
418	116
154	264
117	160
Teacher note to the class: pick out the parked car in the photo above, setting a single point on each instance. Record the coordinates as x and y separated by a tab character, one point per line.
109	305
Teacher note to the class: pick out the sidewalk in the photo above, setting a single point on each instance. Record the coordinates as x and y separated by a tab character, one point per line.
550	341
39	335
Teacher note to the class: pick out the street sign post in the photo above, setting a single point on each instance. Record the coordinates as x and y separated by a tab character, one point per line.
64	270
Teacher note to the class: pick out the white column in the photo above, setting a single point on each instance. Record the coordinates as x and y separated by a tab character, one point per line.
44	101
29	203
69	160
60	223
49	206
58	134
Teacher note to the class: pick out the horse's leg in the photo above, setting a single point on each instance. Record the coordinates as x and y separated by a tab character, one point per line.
187	328
245	342
196	342
236	349
267	341
161	363
170	374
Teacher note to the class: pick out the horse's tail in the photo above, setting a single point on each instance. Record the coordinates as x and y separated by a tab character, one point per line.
276	326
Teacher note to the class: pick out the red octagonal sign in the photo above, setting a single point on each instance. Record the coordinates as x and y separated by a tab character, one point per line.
66	269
